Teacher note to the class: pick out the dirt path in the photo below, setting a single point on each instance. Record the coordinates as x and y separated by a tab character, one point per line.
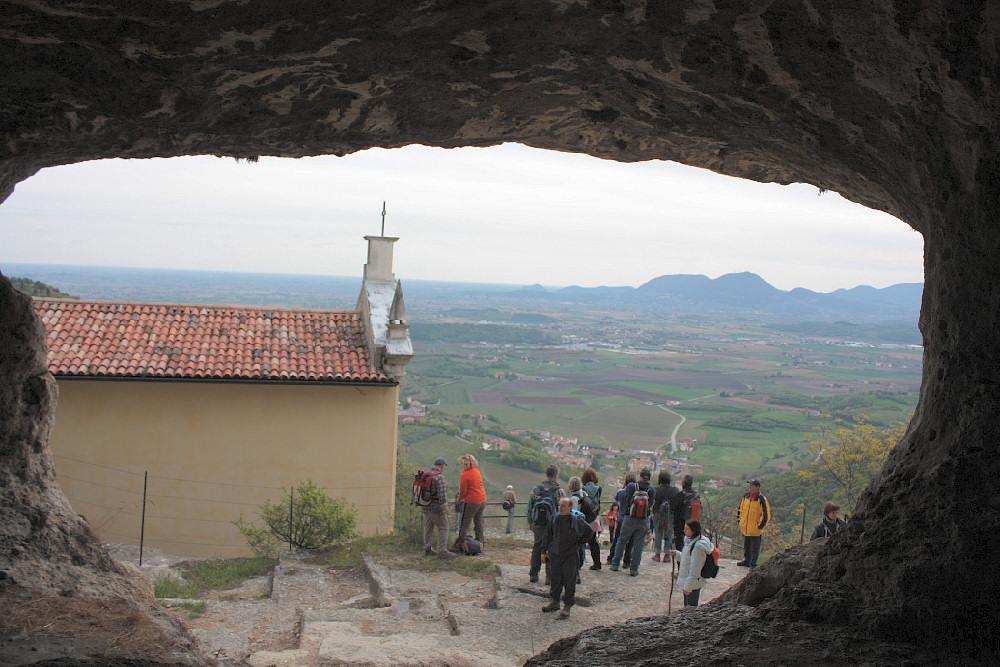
310	615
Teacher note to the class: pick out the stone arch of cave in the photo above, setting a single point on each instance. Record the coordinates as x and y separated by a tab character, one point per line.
892	106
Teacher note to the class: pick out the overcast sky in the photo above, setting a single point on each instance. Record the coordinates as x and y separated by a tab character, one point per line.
507	214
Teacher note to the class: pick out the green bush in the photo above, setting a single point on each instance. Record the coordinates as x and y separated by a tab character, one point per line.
408	519
305	519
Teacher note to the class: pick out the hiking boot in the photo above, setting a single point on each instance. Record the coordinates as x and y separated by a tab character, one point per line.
614	568
633	573
563	613
445	555
595	566
552	606
743	563
533	578
656	557
428	552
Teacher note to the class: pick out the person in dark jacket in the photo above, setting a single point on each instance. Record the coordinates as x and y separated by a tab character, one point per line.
830	524
634	527
663	533
687	506
566	533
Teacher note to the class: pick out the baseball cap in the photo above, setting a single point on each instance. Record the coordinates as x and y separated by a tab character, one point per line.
439	461
754	482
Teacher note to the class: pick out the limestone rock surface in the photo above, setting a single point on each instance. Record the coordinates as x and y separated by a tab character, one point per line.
892	103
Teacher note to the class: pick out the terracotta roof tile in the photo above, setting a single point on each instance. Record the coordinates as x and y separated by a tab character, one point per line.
121	340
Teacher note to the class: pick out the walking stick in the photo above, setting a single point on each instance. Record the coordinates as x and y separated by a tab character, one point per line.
670	599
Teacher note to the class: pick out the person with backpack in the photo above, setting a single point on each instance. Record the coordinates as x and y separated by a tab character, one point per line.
638	523
630	478
593	491
509	503
752	515
697	548
667	502
564	536
830	524
472	499
543	505
687	506
431	495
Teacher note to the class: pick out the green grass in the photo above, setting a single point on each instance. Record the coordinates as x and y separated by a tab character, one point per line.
194	609
393	551
217	575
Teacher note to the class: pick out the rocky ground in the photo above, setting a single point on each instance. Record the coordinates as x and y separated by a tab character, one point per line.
309	614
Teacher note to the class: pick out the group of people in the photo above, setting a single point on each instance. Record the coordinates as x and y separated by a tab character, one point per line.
565	522
469	507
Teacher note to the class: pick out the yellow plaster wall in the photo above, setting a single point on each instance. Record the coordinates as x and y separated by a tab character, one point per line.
215	451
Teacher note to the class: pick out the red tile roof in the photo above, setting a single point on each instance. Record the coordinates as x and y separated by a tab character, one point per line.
132	340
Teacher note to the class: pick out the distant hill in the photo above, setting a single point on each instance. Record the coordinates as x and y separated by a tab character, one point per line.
744	294
36	288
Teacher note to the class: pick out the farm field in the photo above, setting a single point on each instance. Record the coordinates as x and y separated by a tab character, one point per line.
749	396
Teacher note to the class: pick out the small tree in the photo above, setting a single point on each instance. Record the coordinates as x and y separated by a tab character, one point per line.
305	519
851	455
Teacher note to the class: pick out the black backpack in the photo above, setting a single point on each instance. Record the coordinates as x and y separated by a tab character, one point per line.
546	504
588	506
710	569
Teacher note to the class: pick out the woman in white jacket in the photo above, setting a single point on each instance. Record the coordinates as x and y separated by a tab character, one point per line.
697	548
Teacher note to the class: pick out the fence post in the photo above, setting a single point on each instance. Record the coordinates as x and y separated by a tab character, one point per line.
142	521
291	506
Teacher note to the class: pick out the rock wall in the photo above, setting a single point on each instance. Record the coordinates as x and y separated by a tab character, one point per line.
891	103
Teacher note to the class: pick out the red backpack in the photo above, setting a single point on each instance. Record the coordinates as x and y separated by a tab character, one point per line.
423	492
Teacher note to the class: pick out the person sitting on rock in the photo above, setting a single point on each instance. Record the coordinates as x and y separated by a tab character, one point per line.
566	533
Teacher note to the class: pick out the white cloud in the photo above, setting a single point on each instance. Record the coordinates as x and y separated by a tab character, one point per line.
503	214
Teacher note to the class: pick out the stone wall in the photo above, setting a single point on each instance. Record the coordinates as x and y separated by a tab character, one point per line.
893	104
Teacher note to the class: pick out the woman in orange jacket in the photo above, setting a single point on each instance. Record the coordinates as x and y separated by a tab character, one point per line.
472	499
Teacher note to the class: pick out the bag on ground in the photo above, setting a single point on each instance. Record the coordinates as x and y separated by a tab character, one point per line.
471	546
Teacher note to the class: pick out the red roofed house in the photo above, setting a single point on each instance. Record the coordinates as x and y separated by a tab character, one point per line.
224	407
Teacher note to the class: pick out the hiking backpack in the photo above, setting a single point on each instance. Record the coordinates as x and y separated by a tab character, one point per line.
639	507
423	493
587	505
690	505
664	517
577	515
711	567
471	546
546	504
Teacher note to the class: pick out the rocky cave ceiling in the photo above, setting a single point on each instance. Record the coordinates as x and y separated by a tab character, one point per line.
892	104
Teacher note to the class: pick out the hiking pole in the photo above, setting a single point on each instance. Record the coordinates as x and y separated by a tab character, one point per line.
670	598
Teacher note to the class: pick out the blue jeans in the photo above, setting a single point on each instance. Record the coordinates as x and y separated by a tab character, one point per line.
751	549
635	529
658	538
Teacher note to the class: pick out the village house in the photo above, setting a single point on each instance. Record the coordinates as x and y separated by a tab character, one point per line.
174	421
